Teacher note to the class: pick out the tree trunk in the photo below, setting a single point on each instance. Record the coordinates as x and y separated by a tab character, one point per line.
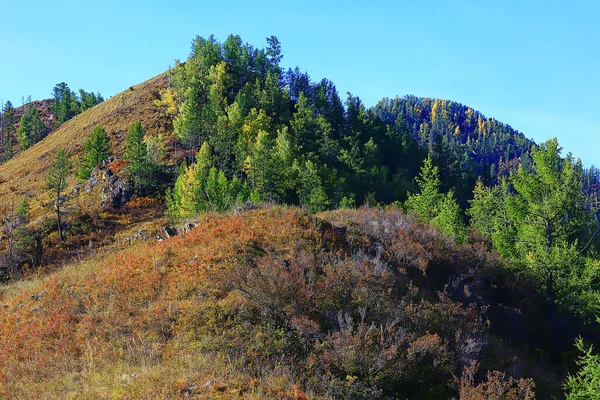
60	232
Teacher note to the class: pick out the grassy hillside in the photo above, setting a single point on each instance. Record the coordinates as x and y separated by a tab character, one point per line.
276	303
24	175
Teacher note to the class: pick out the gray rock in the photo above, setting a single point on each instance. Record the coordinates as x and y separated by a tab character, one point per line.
114	190
115	193
170	231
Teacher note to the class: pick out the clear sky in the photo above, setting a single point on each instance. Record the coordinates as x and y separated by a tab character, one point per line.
533	64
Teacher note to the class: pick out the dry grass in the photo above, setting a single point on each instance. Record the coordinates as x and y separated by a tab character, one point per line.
24	175
119	325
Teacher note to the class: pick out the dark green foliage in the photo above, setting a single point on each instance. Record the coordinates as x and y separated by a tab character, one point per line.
141	170
7	131
585	384
65	104
431	205
89	100
463	143
31	127
95	150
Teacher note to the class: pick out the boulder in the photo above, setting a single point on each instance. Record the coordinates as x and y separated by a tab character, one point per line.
114	190
115	193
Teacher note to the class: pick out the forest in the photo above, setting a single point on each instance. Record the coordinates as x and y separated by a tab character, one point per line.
415	249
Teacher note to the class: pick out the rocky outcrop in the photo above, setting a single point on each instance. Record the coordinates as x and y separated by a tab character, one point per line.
115	192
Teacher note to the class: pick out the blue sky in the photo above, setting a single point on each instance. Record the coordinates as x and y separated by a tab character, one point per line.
532	64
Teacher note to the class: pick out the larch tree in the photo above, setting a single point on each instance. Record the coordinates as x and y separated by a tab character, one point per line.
31	127
547	212
96	149
57	182
141	169
65	104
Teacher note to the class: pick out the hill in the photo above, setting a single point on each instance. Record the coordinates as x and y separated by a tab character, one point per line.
25	173
90	225
309	299
275	303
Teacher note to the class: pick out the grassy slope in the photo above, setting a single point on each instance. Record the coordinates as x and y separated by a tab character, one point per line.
122	325
189	316
24	175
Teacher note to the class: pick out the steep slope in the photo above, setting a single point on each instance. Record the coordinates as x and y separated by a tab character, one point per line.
24	175
276	303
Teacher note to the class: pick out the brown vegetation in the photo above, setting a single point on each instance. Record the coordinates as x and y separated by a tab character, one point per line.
271	303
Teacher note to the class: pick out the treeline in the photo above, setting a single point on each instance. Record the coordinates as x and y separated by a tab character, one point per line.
32	126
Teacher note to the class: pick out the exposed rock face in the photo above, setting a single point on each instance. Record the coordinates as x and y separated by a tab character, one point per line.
115	193
114	190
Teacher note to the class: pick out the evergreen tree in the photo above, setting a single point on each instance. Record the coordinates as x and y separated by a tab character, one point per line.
431	205
89	100
585	384
65	104
424	204
8	131
141	169
311	192
95	150
31	127
547	213
57	183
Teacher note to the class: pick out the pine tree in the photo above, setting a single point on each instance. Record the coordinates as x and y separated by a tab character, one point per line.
57	183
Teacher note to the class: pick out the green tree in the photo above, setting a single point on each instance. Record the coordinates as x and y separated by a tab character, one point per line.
65	104
202	187
585	384
311	192
7	125
57	183
486	208
424	203
31	127
547	213
431	205
89	100
141	169
96	149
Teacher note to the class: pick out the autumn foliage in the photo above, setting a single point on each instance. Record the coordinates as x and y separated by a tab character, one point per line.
271	303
